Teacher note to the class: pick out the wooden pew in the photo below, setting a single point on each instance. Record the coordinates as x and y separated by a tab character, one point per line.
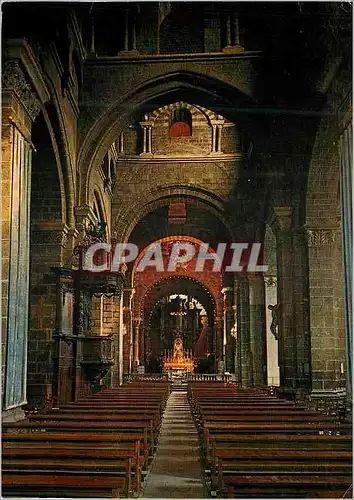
300	485
126	462
141	426
63	484
252	441
236	462
108	437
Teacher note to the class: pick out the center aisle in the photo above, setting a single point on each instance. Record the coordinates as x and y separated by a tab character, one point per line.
176	471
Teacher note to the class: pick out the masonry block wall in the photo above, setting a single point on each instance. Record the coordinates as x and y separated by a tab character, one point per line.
325	248
47	241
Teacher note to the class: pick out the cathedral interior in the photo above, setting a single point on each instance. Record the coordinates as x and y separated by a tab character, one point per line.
156	124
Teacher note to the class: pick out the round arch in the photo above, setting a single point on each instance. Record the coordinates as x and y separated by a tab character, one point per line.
174	86
125	222
159	283
144	280
56	118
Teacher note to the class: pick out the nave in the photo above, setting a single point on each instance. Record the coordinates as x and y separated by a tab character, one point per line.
151	439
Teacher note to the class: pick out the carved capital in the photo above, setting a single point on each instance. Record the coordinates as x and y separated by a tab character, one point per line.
270	281
13	78
281	218
321	237
85	218
137	321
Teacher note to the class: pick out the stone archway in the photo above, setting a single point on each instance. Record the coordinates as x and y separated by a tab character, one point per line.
199	88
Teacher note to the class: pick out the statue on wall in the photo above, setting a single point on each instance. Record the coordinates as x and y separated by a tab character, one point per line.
275	320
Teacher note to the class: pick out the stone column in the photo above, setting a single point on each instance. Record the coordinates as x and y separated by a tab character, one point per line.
213	139
301	309
144	139
120	342
232	39
92	40
220	127
237	30
136	326
126	30
142	353
245	354
328	363
228	340
128	329
147	137
218	341
272	342
149	146
228	30
121	143
26	357
217	126
134	36
281	222
235	339
258	329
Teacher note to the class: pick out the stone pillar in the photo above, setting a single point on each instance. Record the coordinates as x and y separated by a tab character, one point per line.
21	104
220	127
237	30
136	326
235	339
141	345
232	32
258	329
120	343
144	140
245	354
228	30
149	146
134	36
128	329
147	137
126	30
92	40
328	363
282	225
217	126
218	341
213	139
271	298
121	143
301	310
228	340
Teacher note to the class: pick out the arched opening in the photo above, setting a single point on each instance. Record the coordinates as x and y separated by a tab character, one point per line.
181	122
44	382
178	307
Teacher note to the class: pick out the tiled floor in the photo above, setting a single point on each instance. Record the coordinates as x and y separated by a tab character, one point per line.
176	471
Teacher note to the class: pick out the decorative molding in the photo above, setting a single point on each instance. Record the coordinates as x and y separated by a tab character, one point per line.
270	281
19	49
13	78
281	218
321	237
163	158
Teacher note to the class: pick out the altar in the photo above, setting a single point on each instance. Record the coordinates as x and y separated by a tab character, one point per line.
179	362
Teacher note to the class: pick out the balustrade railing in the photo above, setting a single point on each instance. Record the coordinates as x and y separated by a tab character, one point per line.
185	377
